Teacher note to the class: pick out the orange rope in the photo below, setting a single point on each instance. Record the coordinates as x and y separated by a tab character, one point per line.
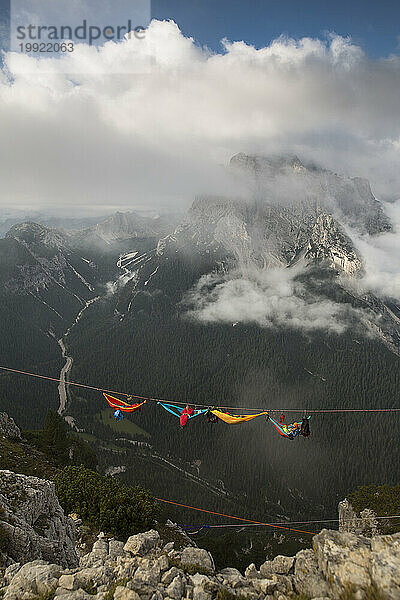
211	512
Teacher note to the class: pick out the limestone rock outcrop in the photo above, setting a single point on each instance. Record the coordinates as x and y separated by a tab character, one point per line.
339	565
32	522
8	428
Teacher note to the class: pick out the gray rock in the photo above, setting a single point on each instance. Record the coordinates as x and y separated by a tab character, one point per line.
144	590
100	547
75	595
265	586
8	428
233	578
163	562
175	588
142	543
10	572
343	559
168	547
385	565
280	564
285	583
115	548
198	556
125	568
34	521
149	571
96	576
199	580
308	579
250	593
123	593
67	582
169	575
200	594
349	522
251	572
37	577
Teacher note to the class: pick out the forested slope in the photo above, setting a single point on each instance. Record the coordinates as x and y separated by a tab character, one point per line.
155	351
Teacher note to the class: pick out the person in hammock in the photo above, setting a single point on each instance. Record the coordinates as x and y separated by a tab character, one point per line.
185	414
305	427
118	416
211	418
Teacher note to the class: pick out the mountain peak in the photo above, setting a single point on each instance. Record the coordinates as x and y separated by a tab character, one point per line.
257	164
35	233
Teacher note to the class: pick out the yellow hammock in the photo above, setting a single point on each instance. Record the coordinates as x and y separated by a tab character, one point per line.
231	419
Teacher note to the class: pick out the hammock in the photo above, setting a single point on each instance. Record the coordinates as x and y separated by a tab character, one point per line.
289	431
231	419
121	405
177	412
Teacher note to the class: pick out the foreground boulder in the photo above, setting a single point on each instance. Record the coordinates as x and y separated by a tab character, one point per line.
36	578
199	557
142	543
32	522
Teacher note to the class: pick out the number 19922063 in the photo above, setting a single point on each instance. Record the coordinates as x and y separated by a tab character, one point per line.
47	47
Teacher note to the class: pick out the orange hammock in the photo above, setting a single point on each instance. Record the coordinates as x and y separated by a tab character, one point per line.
121	405
231	419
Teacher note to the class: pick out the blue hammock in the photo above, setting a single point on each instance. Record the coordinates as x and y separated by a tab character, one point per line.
176	411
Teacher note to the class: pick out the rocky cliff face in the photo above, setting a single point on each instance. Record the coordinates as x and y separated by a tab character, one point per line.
8	428
144	568
267	235
290	212
32	522
286	181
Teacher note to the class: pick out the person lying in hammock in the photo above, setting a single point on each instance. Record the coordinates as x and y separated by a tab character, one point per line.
185	414
211	418
292	430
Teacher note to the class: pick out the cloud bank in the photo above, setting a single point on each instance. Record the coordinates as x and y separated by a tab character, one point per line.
266	298
163	128
381	258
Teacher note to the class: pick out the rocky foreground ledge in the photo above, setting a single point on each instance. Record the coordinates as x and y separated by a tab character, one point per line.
37	544
145	569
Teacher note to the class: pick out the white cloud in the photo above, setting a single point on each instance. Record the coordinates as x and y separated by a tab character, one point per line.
381	258
266	298
164	134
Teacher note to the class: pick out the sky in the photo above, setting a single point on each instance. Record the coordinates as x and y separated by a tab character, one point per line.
153	122
375	26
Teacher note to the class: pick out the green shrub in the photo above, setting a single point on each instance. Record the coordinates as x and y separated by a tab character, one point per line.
59	445
104	502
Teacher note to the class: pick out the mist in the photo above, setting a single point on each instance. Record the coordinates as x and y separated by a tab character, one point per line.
267	298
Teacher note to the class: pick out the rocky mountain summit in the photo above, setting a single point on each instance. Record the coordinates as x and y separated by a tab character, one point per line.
286	212
43	562
286	181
